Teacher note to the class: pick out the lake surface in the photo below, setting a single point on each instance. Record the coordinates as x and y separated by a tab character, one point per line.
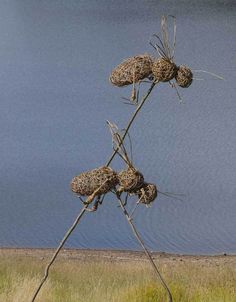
55	60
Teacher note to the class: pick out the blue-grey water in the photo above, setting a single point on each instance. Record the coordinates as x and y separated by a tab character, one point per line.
55	59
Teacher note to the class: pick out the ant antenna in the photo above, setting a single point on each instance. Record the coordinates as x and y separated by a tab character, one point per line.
172	195
211	73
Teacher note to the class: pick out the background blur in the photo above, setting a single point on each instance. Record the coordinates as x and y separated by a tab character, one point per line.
55	59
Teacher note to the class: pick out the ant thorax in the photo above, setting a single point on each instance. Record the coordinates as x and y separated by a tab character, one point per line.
164	70
130	180
102	179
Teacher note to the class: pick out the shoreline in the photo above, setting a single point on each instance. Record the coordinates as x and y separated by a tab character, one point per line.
115	255
114	275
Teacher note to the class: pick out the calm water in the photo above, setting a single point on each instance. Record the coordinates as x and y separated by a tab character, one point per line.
55	60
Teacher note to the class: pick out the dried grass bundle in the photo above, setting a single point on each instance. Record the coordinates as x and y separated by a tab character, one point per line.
100	180
184	76
130	180
131	70
147	193
164	70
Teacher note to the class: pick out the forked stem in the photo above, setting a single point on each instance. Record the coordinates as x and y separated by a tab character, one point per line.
70	230
130	122
136	234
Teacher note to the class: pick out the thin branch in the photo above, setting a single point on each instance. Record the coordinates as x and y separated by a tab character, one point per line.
131	121
70	230
136	234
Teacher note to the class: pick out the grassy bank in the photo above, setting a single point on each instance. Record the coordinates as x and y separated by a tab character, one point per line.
115	279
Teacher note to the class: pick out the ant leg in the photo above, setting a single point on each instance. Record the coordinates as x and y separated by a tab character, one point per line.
81	199
101	200
132	212
126	199
95	205
137	93
132	99
178	94
134	94
91	197
118	193
128	101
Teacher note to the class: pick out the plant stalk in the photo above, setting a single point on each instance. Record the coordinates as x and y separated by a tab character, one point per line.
68	233
131	121
136	234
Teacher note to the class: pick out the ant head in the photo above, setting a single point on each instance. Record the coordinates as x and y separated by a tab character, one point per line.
184	76
147	193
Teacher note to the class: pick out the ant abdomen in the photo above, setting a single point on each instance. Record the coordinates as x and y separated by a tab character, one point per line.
132	70
100	180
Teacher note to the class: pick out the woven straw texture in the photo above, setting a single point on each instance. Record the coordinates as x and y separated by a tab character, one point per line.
184	76
147	193
130	179
86	183
163	70
131	70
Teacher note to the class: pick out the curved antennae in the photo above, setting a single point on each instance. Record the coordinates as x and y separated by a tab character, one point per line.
162	47
172	195
211	73
156	47
123	149
130	146
159	48
198	79
118	143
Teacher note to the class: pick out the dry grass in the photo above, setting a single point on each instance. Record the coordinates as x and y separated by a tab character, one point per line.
73	280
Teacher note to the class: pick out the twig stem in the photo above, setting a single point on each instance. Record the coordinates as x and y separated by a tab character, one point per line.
70	230
131	121
136	234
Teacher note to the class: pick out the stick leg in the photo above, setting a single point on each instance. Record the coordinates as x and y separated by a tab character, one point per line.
134	209
177	91
158	274
95	205
70	230
131	121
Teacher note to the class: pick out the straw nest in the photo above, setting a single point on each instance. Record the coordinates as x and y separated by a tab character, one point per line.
131	70
130	180
147	193
184	76
163	70
86	183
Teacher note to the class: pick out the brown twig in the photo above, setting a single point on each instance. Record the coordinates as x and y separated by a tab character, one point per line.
136	234
70	230
131	121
